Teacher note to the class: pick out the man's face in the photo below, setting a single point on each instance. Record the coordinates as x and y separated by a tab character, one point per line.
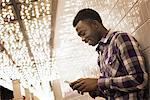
88	32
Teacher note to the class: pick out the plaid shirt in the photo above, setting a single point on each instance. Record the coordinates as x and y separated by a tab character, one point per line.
123	75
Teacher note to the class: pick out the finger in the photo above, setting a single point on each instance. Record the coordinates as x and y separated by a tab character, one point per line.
75	82
78	91
84	90
92	94
71	85
76	86
82	93
80	79
81	87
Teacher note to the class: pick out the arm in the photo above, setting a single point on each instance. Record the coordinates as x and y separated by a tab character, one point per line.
134	64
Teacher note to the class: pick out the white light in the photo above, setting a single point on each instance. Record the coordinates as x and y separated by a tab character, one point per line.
38	31
3	4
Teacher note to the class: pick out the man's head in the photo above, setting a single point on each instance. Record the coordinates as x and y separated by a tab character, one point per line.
89	26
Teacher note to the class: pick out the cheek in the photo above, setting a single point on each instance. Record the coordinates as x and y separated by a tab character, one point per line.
90	34
95	37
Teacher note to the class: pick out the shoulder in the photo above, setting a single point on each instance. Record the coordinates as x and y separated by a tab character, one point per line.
124	37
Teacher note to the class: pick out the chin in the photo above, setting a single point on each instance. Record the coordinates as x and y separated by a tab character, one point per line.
92	44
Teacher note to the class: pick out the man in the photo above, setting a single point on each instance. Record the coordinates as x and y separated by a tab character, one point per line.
120	61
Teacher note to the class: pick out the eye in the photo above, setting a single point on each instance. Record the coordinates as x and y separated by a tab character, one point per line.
81	33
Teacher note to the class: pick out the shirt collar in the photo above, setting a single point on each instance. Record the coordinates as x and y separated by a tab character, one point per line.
107	37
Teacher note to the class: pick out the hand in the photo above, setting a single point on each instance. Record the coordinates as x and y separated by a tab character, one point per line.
92	94
84	85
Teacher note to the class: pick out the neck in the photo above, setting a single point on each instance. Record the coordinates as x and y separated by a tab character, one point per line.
103	31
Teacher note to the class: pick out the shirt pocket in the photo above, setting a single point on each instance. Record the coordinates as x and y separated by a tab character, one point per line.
112	65
110	59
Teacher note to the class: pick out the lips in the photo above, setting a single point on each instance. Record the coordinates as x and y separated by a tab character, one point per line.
87	41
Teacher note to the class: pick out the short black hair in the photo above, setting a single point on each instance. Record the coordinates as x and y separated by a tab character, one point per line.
86	13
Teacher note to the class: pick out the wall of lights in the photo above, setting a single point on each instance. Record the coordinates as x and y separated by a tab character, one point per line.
16	63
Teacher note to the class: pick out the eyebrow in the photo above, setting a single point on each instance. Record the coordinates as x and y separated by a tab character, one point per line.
78	28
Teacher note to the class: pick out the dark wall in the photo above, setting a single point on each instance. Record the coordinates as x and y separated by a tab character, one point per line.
5	93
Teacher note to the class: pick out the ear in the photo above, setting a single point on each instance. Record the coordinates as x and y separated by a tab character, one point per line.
95	23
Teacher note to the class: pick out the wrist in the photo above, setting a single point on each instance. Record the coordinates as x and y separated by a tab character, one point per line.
104	83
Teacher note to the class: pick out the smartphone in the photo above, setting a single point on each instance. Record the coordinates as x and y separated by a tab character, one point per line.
67	82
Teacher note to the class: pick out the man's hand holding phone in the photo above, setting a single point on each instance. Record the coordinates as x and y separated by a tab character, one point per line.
84	85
